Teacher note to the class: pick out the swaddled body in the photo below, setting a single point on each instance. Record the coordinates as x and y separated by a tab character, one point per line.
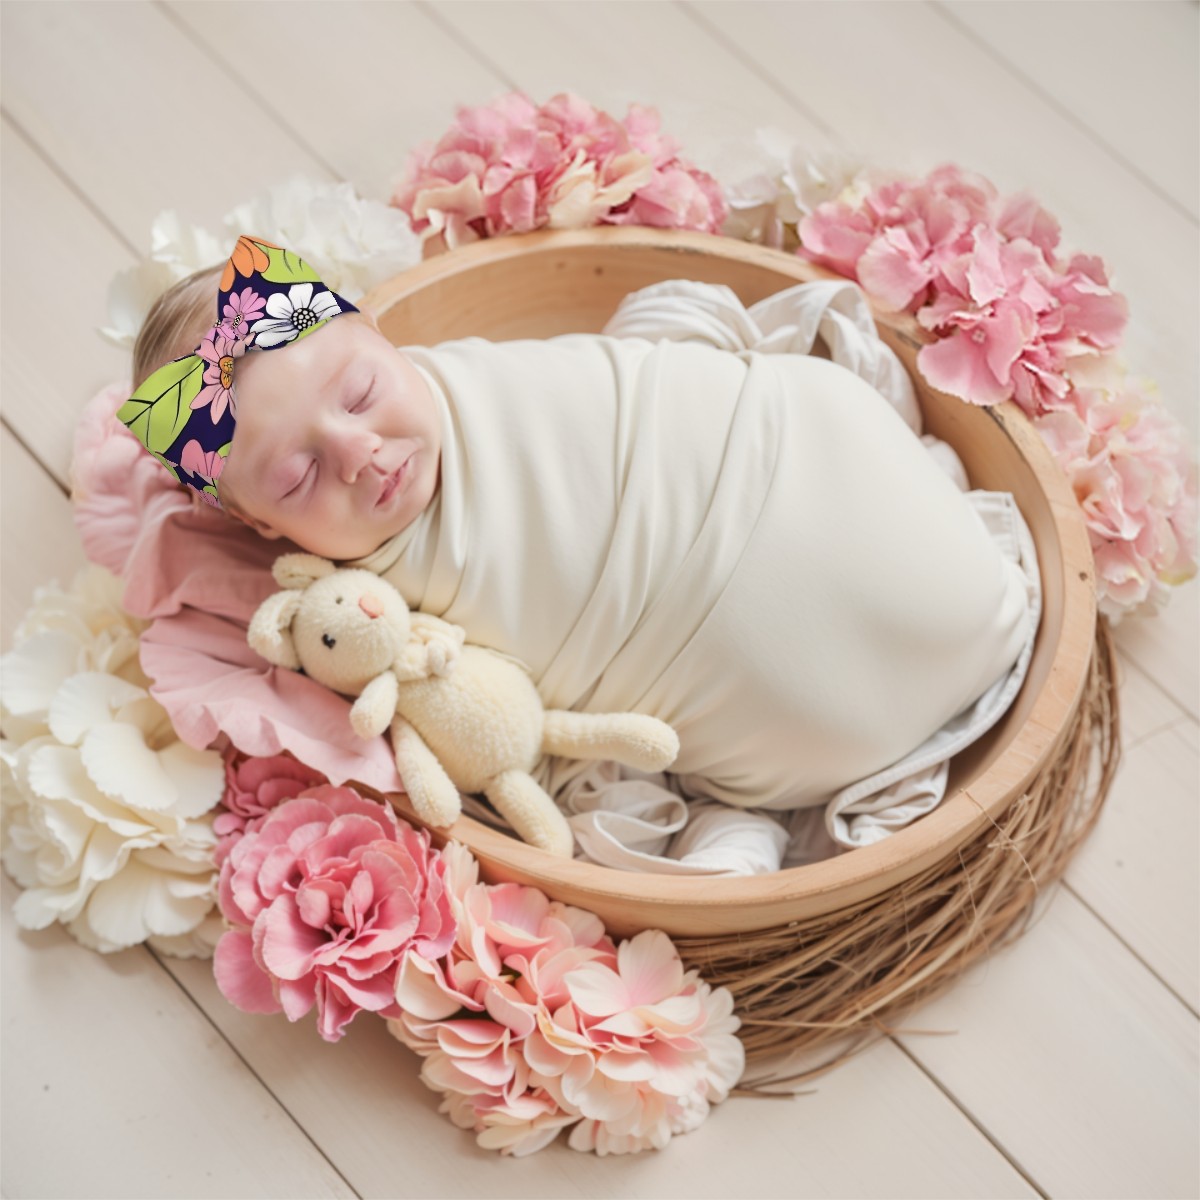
754	548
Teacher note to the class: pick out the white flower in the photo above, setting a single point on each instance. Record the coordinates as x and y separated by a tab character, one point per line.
288	316
176	251
786	184
352	243
107	820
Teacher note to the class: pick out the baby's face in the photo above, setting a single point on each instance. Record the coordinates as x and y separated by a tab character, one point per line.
322	427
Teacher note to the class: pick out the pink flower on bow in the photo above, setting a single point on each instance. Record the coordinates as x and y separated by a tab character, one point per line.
195	460
240	310
219	351
535	1021
253	787
327	895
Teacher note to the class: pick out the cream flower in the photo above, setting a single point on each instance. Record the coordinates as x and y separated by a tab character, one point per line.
586	190
107	814
351	242
176	251
782	183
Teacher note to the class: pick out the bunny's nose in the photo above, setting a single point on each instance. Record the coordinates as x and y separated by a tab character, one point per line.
371	604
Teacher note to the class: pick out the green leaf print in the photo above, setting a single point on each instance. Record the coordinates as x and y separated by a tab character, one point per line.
286	267
170	467
157	412
223	451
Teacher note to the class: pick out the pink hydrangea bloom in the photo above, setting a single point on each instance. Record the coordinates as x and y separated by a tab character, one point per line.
253	787
511	167
535	1021
1016	321
1127	459
979	270
327	895
1009	325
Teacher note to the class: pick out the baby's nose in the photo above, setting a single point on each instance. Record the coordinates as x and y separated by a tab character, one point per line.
371	604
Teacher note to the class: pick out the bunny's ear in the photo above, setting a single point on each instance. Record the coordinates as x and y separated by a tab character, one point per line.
270	631
299	570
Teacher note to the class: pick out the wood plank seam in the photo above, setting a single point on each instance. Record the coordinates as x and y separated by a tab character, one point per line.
54	479
71	186
1129	657
1067	115
983	1130
245	1063
248	87
1082	900
429	11
756	68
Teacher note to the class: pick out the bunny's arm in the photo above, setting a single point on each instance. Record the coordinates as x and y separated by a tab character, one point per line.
372	712
444	641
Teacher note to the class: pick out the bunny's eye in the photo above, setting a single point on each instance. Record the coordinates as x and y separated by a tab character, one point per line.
339	600
330	642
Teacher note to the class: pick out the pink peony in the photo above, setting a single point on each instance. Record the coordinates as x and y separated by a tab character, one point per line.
511	167
328	895
254	786
535	1021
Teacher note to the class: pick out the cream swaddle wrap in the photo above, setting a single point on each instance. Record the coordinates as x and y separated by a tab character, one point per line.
753	546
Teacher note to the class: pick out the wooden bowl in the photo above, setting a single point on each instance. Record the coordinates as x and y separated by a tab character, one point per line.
565	281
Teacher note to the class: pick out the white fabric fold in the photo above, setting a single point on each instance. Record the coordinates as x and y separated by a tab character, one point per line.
636	822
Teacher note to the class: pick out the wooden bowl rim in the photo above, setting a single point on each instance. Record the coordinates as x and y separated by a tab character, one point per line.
906	851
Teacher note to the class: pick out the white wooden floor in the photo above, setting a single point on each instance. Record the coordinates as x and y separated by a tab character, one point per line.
1071	1065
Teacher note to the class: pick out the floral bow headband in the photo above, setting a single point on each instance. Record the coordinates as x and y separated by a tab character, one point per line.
186	411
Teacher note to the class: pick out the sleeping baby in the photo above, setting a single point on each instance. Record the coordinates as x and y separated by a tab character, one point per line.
755	548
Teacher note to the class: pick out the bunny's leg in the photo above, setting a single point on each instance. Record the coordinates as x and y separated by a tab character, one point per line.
531	812
434	797
638	740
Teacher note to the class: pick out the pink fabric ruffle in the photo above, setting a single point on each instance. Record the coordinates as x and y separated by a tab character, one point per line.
199	576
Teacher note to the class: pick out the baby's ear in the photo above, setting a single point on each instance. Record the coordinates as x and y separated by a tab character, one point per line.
297	571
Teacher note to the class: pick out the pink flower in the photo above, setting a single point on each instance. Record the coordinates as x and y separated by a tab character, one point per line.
511	167
253	787
195	460
980	271
535	1021
897	241
1009	325
327	895
219	351
240	310
1126	458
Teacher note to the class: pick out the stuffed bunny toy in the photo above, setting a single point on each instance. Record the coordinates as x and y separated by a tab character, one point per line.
463	718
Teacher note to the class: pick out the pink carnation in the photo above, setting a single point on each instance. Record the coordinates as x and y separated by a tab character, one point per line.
535	1021
511	167
253	787
327	895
